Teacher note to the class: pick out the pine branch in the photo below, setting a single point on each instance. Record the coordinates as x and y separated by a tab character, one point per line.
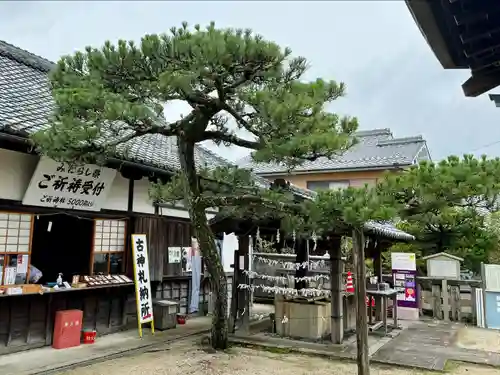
239	119
249	200
225	137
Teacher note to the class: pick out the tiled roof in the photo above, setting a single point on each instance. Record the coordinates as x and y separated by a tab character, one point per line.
387	230
376	149
26	102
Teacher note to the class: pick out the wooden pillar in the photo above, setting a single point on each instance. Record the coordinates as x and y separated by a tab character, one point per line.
437	311
358	246
445	296
244	294
233	317
377	268
377	259
336	288
302	255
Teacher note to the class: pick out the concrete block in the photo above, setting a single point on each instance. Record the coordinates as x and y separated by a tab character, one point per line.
301	319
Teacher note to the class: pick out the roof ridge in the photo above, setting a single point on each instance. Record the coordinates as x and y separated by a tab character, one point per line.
372	132
400	141
215	155
244	160
25	57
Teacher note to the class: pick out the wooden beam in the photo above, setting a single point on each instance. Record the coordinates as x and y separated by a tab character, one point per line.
358	246
426	21
479	84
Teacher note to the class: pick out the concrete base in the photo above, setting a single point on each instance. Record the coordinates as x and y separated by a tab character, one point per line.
302	320
407	313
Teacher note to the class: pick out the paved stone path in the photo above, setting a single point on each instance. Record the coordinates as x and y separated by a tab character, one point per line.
425	345
430	345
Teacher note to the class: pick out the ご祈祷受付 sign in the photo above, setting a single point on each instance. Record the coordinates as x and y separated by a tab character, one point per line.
141	279
70	186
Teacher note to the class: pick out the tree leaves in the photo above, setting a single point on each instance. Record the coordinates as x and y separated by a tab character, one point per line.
338	211
445	204
231	78
105	97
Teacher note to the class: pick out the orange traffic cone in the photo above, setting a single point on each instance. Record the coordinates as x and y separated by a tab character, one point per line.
349	287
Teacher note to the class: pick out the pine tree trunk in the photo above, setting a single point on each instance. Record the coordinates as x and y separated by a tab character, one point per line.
208	248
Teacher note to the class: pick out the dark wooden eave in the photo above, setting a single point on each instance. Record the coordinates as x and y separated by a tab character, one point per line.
463	34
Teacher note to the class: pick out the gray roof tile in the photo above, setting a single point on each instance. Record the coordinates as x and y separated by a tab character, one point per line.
376	149
26	102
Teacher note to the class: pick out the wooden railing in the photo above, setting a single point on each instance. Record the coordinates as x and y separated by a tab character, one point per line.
448	299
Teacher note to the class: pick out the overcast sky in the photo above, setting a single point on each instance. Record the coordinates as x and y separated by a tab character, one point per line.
393	79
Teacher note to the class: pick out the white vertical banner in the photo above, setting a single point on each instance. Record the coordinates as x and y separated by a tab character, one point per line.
143	292
196	275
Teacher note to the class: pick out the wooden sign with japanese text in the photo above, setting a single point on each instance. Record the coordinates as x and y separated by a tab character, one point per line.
144	298
69	186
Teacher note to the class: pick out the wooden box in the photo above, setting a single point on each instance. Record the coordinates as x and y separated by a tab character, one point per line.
31	288
165	314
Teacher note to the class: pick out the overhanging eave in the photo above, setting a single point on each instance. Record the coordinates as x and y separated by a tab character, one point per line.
479	84
423	15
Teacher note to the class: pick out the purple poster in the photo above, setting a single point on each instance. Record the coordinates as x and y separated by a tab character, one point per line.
405	281
404	273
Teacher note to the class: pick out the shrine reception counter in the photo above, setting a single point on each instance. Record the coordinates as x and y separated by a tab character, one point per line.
27	320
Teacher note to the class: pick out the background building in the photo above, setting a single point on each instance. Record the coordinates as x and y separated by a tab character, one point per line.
377	152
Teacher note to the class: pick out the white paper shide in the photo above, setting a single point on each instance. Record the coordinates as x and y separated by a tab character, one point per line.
69	186
141	278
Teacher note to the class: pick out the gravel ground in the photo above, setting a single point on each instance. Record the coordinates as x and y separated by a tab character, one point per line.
183	358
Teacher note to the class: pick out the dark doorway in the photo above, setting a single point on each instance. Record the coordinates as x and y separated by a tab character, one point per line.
61	244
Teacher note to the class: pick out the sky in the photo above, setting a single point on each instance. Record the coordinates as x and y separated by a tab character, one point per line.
393	79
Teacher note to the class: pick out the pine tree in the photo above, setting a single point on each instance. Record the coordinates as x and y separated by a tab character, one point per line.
445	205
230	79
349	210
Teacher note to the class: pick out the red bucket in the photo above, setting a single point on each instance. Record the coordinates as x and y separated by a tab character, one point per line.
89	336
181	319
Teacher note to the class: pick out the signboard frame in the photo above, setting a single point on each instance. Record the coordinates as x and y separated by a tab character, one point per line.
404	274
69	186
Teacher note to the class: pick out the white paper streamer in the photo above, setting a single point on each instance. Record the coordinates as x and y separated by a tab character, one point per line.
286	319
312	264
284	279
307	292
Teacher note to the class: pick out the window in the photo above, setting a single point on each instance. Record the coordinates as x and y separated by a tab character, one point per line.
109	246
15	247
363	181
324	185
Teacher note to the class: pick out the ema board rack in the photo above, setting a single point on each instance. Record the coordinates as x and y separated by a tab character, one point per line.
100	280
